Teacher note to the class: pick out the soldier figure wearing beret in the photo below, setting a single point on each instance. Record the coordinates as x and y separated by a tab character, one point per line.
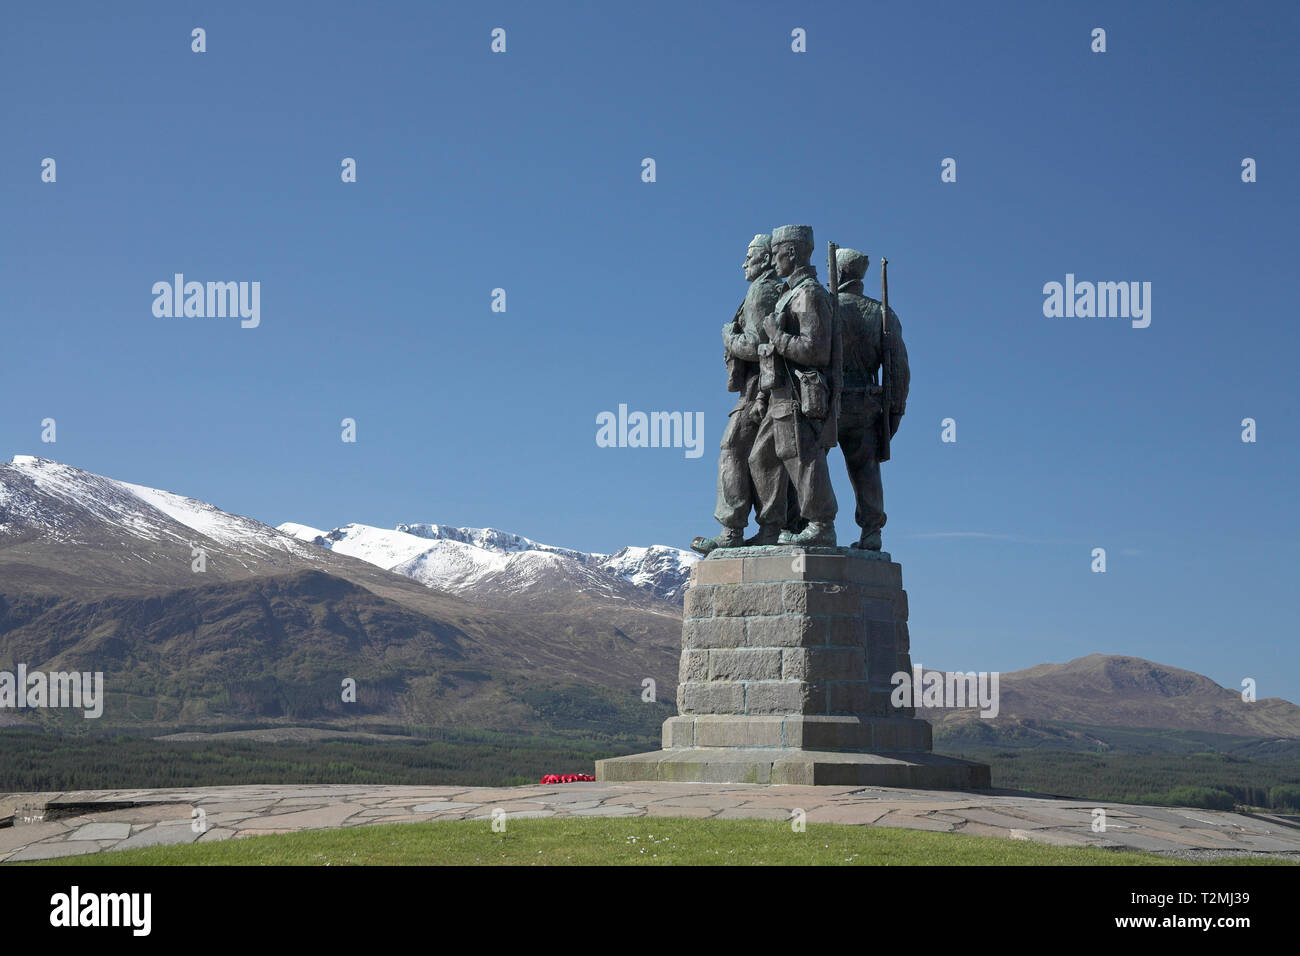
860	410
799	371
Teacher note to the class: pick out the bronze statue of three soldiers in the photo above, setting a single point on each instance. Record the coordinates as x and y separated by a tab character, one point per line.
805	362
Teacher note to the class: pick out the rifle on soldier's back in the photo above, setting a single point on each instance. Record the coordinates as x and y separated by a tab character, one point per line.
836	383
886	366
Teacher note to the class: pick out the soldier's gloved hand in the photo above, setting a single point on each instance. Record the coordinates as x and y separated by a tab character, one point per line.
757	412
894	421
769	326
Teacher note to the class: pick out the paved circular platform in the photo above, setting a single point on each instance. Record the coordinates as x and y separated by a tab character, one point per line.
48	825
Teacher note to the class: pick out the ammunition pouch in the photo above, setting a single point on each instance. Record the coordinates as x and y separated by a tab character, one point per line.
814	394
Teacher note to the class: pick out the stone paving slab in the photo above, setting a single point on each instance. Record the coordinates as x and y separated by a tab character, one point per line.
102	831
1065	838
853	815
45	852
164	816
13	839
161	835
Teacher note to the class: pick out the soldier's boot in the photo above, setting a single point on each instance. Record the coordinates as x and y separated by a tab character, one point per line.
818	534
726	538
767	534
870	541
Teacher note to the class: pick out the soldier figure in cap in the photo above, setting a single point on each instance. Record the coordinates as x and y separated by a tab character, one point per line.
741	338
860	401
798	369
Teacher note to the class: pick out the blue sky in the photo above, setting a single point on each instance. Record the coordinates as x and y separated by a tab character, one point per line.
522	171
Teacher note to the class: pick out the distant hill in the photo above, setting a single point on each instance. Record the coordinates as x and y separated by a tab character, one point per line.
1115	691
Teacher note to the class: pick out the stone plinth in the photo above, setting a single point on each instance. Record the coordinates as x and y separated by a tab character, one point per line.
787	656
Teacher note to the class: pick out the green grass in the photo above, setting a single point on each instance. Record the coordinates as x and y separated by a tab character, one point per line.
657	842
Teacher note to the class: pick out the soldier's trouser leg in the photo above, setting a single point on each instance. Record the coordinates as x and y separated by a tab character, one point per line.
794	520
735	487
771	483
858	442
812	483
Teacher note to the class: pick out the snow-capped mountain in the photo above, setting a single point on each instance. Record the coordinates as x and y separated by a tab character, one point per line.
126	531
470	561
204	616
39	493
658	568
490	539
